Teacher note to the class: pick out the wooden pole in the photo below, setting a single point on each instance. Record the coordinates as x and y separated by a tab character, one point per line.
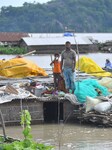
8	67
28	53
3	125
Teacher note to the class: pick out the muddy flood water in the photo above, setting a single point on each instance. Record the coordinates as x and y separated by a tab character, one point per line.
71	136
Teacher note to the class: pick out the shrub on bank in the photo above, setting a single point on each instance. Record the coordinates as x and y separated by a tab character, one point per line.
12	50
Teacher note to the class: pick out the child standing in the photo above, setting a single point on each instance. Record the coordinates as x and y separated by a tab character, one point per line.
56	70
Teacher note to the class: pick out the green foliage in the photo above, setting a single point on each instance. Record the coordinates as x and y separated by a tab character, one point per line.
54	16
12	50
25	122
27	143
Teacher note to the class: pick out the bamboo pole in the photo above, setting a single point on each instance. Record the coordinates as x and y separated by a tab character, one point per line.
28	53
21	63
3	125
13	66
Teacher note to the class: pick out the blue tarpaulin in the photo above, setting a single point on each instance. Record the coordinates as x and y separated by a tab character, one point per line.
68	34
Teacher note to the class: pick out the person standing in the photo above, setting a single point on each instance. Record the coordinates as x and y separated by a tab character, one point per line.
68	63
56	70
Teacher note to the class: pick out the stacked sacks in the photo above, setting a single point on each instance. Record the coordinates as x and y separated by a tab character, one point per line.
103	107
20	68
98	105
91	102
87	65
89	87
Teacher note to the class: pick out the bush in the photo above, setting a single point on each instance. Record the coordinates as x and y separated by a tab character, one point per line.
12	50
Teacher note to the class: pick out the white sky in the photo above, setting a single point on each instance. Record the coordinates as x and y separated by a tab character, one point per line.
19	2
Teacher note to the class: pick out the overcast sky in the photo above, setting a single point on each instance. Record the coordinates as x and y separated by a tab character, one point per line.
19	2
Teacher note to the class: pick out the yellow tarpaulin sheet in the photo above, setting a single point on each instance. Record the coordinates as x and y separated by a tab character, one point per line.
87	65
19	68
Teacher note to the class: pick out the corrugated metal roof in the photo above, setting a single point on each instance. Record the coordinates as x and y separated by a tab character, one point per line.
34	41
12	36
100	37
81	38
41	35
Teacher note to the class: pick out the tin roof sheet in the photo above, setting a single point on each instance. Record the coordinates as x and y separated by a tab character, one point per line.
100	37
33	41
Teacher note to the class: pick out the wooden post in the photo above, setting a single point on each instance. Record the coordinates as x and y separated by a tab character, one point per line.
3	125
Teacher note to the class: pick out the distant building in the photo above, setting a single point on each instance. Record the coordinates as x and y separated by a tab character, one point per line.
49	43
55	43
11	38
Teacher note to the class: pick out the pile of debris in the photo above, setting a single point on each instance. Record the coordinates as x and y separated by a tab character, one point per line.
98	112
98	118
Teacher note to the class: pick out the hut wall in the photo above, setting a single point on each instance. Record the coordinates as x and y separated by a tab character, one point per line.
22	43
68	111
11	111
51	49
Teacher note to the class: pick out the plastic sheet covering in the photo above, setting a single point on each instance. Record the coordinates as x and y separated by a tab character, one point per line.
87	65
72	98
19	68
6	97
88	87
106	81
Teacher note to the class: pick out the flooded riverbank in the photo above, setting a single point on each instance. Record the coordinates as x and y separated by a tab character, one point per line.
69	136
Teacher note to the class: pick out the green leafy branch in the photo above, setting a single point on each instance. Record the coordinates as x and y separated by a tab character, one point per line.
27	143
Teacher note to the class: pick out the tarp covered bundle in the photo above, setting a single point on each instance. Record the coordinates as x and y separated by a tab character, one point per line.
89	66
20	68
89	87
106	81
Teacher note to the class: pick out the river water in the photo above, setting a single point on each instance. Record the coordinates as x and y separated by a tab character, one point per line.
44	60
72	136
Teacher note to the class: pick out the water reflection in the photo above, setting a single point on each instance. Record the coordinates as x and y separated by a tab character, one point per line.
74	136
